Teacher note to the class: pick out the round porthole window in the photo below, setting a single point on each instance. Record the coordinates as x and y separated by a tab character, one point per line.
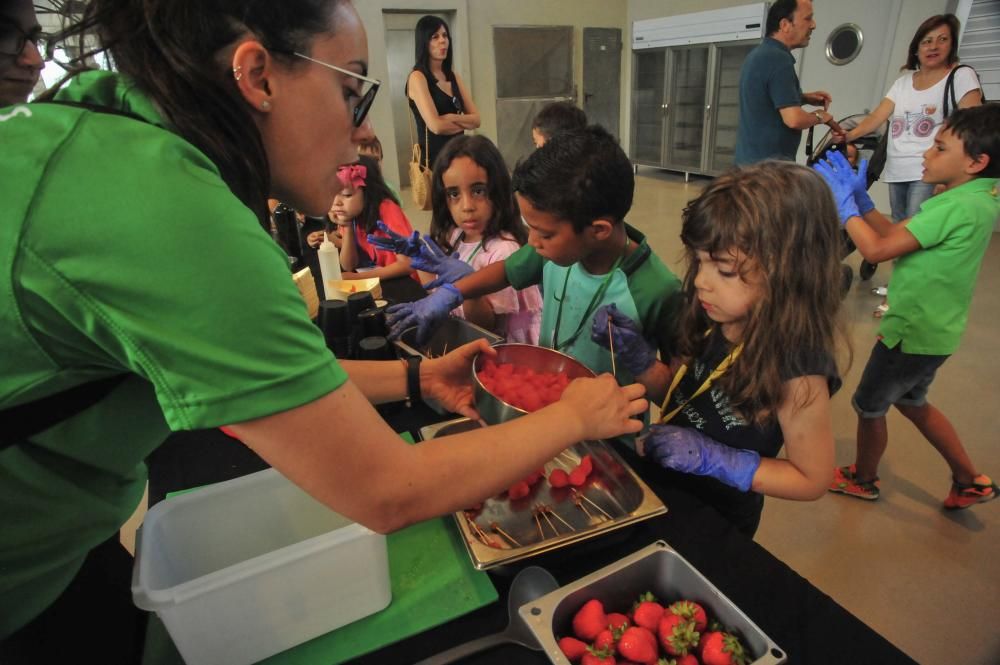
844	44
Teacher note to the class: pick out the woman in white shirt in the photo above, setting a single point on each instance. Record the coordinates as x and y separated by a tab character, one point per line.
915	105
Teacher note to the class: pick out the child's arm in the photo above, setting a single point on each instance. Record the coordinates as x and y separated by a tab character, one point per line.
878	239
348	247
480	311
488	280
807	470
400	268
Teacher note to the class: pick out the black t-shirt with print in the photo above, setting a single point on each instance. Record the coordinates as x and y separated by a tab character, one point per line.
712	414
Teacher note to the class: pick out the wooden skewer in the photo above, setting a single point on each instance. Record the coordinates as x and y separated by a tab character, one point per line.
496	527
579	504
585	498
538	523
611	344
556	515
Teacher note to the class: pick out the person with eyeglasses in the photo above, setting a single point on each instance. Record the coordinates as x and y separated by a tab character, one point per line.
441	105
173	309
20	54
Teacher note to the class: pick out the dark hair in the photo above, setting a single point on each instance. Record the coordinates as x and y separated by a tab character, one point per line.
505	214
426	27
781	9
559	117
934	22
781	218
169	50
375	191
372	148
579	176
979	130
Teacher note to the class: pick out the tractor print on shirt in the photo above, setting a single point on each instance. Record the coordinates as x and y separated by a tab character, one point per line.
920	124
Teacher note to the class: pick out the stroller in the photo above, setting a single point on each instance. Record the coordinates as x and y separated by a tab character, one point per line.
871	146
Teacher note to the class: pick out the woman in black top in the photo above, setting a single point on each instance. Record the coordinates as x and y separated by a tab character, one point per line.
441	104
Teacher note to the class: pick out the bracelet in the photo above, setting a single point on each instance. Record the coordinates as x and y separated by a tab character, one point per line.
819	116
412	379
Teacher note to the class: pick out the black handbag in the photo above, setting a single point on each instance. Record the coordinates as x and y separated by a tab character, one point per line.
949	92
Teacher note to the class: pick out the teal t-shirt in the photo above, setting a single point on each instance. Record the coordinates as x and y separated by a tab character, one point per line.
125	252
641	287
768	83
931	288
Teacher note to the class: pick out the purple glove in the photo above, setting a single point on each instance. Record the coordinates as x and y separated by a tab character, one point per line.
631	348
859	180
426	314
841	182
395	243
688	450
431	258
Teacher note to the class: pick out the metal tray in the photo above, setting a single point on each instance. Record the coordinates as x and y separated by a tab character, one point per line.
505	531
451	334
657	568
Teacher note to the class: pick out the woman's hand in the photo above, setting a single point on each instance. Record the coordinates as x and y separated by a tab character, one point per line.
314	239
604	408
448	379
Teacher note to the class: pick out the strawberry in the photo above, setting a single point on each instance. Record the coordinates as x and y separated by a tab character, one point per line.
638	644
577	476
722	648
693	611
605	640
619	621
590	620
572	648
558	478
535	476
647	612
518	490
587	463
597	657
689	659
677	634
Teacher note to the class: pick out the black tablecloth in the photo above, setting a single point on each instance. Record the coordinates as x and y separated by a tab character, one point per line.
806	623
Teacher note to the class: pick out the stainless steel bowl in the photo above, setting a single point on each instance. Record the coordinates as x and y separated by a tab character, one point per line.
493	409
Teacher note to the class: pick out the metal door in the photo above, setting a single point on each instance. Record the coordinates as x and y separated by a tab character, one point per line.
534	67
602	48
649	106
688	108
725	104
399	29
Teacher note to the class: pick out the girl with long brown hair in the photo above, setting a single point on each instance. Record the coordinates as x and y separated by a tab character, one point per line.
754	368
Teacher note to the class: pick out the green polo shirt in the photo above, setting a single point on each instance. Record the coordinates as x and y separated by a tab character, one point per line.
931	288
124	252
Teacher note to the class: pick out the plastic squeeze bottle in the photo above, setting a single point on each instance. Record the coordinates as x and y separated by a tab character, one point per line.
329	262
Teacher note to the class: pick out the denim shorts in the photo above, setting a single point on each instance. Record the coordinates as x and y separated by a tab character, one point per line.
894	377
905	198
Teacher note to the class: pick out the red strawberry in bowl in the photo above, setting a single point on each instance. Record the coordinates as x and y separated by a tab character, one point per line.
572	648
639	645
598	657
691	610
647	612
722	648
590	620
677	634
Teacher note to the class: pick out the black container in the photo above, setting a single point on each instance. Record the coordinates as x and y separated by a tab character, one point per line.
373	323
334	319
359	302
341	346
374	348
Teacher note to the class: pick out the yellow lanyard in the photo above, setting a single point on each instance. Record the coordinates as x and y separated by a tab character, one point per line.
682	370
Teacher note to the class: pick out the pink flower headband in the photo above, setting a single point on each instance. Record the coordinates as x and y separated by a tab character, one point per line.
353	175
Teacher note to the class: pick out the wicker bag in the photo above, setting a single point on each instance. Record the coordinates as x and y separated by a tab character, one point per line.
420	175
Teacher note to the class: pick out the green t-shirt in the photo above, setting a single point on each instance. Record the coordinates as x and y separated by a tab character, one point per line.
931	288
641	287
125	252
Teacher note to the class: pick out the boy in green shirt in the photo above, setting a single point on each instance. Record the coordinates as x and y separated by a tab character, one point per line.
573	193
940	251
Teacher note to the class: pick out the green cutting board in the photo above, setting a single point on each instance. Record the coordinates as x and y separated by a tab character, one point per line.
432	582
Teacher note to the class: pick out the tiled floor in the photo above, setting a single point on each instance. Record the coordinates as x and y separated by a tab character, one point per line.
918	575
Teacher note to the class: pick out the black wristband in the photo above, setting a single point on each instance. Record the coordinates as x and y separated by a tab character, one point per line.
413	380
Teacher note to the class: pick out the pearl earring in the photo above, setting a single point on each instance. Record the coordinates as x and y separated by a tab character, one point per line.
237	72
265	105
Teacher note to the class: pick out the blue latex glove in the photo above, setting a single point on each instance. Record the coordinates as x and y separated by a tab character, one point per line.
859	180
841	182
431	258
426	314
631	348
688	450
395	243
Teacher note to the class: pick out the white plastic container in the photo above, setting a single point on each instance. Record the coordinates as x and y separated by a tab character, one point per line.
329	263
244	569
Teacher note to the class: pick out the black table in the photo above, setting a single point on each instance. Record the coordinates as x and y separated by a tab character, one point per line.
806	623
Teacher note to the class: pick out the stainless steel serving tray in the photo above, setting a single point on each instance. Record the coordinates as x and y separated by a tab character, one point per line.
505	531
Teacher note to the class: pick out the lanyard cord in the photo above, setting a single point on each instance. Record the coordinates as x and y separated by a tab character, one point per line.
594	302
682	370
474	252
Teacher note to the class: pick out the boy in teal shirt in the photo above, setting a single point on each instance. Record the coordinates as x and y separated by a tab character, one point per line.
574	193
940	251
